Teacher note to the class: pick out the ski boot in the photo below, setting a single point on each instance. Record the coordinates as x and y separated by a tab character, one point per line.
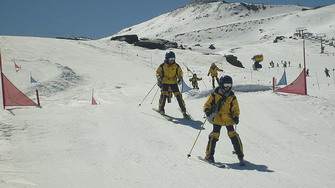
240	158
210	159
161	111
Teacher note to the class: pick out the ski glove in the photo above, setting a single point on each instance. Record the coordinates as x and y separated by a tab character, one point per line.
208	113
236	120
159	81
179	81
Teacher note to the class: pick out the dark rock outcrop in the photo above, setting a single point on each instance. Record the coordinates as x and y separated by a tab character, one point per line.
145	42
131	39
233	61
156	43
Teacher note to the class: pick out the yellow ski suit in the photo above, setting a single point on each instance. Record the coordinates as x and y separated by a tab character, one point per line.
227	111
169	73
213	71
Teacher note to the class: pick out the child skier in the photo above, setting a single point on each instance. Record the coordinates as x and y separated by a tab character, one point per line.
222	109
194	80
213	71
169	75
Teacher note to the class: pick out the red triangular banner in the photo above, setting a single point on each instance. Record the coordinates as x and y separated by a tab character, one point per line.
17	66
93	101
298	86
13	96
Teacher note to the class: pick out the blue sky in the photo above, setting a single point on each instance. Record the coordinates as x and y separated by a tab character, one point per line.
93	18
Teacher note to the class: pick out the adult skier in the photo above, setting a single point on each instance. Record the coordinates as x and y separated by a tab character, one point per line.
169	75
194	80
213	71
222	109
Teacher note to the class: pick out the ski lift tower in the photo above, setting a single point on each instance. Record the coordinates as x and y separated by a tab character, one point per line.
321	37
300	31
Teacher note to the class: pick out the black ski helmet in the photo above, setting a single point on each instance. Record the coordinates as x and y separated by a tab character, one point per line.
170	54
225	80
194	75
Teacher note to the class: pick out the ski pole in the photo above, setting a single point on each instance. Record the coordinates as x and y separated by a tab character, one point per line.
154	95
202	126
147	95
204	83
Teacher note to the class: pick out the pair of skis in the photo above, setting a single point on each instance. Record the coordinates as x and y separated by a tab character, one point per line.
169	118
218	164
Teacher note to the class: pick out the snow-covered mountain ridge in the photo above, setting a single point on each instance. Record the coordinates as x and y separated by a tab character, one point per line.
217	21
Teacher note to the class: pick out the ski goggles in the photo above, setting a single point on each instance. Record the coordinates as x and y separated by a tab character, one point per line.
225	85
172	59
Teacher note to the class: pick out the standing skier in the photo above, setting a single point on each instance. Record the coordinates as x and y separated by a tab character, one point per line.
169	75
327	72
222	109
213	71
194	80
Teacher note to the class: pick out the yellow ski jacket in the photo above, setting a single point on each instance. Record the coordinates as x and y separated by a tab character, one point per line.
169	73
228	110
195	79
214	71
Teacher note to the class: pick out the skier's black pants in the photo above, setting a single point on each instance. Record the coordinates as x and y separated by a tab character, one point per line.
214	137
213	80
165	93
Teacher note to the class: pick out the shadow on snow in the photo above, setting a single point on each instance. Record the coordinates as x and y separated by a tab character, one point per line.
196	124
249	166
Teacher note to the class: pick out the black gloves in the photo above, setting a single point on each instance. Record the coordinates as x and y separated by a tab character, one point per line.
236	120
208	113
159	81
179	81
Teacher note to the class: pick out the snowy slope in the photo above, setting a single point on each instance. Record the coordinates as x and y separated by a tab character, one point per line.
70	143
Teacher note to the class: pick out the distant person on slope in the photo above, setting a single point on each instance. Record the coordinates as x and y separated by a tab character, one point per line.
327	72
194	80
213	71
169	75
222	109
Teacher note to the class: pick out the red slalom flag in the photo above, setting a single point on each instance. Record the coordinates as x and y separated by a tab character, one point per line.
17	67
93	100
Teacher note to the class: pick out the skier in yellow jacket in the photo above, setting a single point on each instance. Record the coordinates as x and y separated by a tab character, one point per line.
194	80
213	71
169	75
222	109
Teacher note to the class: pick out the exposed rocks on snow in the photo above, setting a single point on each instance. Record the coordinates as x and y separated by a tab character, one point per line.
156	43
128	38
278	38
233	61
212	47
146	42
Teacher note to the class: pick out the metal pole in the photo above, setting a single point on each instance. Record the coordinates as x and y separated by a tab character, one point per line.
147	94
154	95
203	124
305	80
2	83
